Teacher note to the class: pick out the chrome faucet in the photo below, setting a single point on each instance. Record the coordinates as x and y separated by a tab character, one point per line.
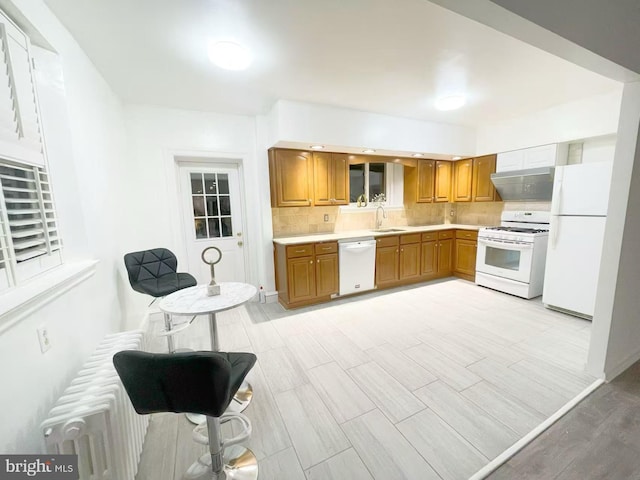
378	219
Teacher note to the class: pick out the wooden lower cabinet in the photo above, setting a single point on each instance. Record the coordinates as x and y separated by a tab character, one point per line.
410	261
436	254
301	279
387	271
306	273
445	257
466	247
327	280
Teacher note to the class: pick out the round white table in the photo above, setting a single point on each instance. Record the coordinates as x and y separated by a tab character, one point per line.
195	301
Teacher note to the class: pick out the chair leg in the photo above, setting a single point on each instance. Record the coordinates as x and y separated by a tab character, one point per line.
167	326
215	448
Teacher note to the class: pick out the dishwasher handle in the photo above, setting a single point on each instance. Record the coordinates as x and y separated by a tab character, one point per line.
359	247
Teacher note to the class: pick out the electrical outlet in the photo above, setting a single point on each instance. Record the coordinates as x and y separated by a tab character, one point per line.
43	337
326	217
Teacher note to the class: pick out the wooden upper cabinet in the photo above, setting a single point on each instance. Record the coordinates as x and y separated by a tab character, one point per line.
291	178
443	181
426	174
463	180
330	178
483	189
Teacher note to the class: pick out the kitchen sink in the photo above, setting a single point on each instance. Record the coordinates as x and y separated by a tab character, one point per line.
383	230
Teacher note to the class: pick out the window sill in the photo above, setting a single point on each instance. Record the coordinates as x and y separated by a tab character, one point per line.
18	302
372	207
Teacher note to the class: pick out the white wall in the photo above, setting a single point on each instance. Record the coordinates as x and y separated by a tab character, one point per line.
155	135
585	118
615	335
310	123
85	185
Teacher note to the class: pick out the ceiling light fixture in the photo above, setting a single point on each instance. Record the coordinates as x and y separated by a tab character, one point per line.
456	158
450	102
368	150
229	55
417	155
317	147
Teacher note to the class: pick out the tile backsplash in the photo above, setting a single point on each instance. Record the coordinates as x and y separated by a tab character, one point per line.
309	220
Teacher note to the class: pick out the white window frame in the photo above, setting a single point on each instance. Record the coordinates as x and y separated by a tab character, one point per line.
394	187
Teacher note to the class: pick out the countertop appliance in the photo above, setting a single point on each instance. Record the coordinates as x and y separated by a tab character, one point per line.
524	185
578	216
357	258
511	257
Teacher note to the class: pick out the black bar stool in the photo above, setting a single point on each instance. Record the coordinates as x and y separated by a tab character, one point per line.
154	272
198	382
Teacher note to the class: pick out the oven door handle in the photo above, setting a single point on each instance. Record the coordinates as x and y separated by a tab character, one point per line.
506	244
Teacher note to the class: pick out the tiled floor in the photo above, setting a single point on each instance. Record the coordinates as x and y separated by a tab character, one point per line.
417	383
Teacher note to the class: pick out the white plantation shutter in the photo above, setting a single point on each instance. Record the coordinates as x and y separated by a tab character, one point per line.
31	232
20	135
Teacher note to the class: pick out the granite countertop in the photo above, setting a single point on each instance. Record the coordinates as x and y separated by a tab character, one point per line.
323	237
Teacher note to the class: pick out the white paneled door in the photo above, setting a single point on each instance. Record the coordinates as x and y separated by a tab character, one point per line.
212	216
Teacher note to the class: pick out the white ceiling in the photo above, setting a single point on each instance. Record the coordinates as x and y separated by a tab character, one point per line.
386	56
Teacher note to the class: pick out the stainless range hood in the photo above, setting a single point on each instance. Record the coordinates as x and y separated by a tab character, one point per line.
525	185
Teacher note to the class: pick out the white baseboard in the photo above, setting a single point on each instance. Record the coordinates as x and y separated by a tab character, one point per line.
271	297
613	372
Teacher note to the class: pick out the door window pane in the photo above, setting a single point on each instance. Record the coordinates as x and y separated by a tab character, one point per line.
212	206
214	228
201	227
225	206
227	231
196	183
503	258
223	182
210	183
198	206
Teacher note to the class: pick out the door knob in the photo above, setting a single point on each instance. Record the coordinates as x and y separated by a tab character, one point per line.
240	243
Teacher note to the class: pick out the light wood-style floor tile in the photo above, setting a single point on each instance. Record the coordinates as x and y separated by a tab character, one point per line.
553	376
344	466
445	449
535	395
308	351
281	370
393	399
385	452
451	348
401	367
315	434
443	367
346	353
484	432
503	407
280	466
339	392
263	337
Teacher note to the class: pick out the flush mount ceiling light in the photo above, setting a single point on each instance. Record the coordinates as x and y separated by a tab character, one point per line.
229	55
317	147
450	102
456	158
368	150
417	155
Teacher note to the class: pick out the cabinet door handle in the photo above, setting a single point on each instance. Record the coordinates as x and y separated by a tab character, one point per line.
402	249
317	261
311	262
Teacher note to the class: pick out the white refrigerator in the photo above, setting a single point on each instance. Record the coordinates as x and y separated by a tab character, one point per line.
576	234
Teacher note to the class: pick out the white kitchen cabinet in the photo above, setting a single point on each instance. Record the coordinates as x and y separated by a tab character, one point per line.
20	134
534	157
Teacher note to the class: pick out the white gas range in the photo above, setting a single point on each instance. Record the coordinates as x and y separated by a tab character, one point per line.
511	257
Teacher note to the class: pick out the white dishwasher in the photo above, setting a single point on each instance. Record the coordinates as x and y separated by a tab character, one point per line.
357	264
